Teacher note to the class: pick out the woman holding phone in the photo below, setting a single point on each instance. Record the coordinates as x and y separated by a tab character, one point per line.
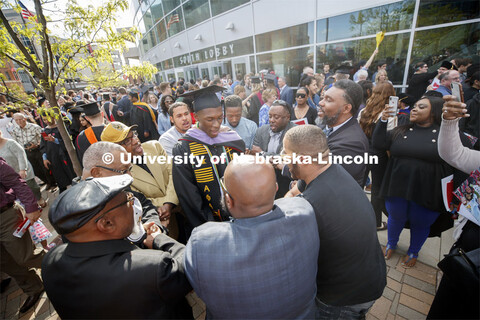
412	182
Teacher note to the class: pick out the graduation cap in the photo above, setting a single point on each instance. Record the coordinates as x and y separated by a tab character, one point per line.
448	65
106	96
406	98
40	100
91	108
270	77
204	98
75	110
255	79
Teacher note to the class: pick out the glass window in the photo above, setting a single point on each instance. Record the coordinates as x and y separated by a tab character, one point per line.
392	52
234	48
157	10
219	6
443	11
141	26
285	38
252	64
170	76
144	5
167	64
322	30
434	46
147	18
196	12
146	42
169	5
161	31
288	64
175	22
153	38
390	17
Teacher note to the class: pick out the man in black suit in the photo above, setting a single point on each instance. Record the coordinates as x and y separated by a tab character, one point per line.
351	269
344	135
286	93
99	274
124	106
268	140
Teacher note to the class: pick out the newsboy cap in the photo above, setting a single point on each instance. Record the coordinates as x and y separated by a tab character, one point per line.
76	206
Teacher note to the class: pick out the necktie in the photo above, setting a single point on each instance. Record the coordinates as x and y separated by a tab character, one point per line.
327	131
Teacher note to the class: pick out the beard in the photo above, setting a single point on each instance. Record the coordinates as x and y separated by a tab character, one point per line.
331	120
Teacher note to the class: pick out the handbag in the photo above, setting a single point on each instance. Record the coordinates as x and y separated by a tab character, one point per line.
463	268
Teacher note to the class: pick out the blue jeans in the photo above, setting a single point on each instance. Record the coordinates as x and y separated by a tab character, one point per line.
328	312
399	212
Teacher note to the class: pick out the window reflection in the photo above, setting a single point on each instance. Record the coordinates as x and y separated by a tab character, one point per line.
322	30
288	63
443	11
157	11
169	5
174	22
161	31
284	38
434	46
220	6
147	18
196	12
392	51
391	17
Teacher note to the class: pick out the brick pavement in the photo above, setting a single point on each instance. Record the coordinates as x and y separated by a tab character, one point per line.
408	294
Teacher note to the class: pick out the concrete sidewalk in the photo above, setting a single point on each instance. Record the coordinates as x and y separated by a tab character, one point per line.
408	294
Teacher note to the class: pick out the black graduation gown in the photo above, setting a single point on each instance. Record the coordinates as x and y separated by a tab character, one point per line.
61	165
140	115
197	201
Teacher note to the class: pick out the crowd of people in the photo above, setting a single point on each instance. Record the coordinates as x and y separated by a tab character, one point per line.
254	239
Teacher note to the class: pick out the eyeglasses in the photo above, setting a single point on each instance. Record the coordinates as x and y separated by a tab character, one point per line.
130	200
301	95
117	171
222	183
129	140
279	103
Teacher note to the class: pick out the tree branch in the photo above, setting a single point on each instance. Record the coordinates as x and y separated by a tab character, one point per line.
43	38
33	66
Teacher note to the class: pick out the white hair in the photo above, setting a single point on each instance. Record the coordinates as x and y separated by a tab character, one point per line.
362	75
93	156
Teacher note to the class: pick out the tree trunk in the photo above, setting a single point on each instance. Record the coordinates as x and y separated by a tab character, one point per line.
67	140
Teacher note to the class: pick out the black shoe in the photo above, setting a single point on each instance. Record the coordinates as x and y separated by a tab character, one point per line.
4	284
30	302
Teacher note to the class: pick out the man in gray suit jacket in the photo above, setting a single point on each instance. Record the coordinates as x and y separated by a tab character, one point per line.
265	267
268	140
99	274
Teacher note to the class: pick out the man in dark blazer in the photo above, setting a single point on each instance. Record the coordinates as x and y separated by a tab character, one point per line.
286	93
268	140
344	135
99	274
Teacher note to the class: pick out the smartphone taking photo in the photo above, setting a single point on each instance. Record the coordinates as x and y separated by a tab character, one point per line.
393	104
457	91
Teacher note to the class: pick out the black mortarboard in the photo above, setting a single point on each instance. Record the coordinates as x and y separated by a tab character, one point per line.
448	65
91	108
255	79
204	98
75	110
106	96
68	105
406	98
146	88
270	77
76	206
40	100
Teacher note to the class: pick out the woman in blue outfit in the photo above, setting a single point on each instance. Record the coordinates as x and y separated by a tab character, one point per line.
310	83
412	182
163	120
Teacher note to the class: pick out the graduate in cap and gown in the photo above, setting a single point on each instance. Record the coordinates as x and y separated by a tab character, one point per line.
198	185
92	134
145	118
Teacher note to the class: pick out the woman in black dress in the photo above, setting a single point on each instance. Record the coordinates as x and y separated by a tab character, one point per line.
302	109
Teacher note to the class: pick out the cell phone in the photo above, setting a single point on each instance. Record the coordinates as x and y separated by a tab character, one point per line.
393	103
457	91
44	135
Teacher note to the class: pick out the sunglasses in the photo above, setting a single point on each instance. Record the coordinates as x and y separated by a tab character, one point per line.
117	171
301	95
130	200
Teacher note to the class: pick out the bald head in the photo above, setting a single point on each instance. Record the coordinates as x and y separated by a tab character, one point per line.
251	187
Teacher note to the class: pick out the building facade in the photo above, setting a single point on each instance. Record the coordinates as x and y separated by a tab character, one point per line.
197	38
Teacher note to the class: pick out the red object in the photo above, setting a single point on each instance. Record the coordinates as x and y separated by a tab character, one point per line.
193	118
25	12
